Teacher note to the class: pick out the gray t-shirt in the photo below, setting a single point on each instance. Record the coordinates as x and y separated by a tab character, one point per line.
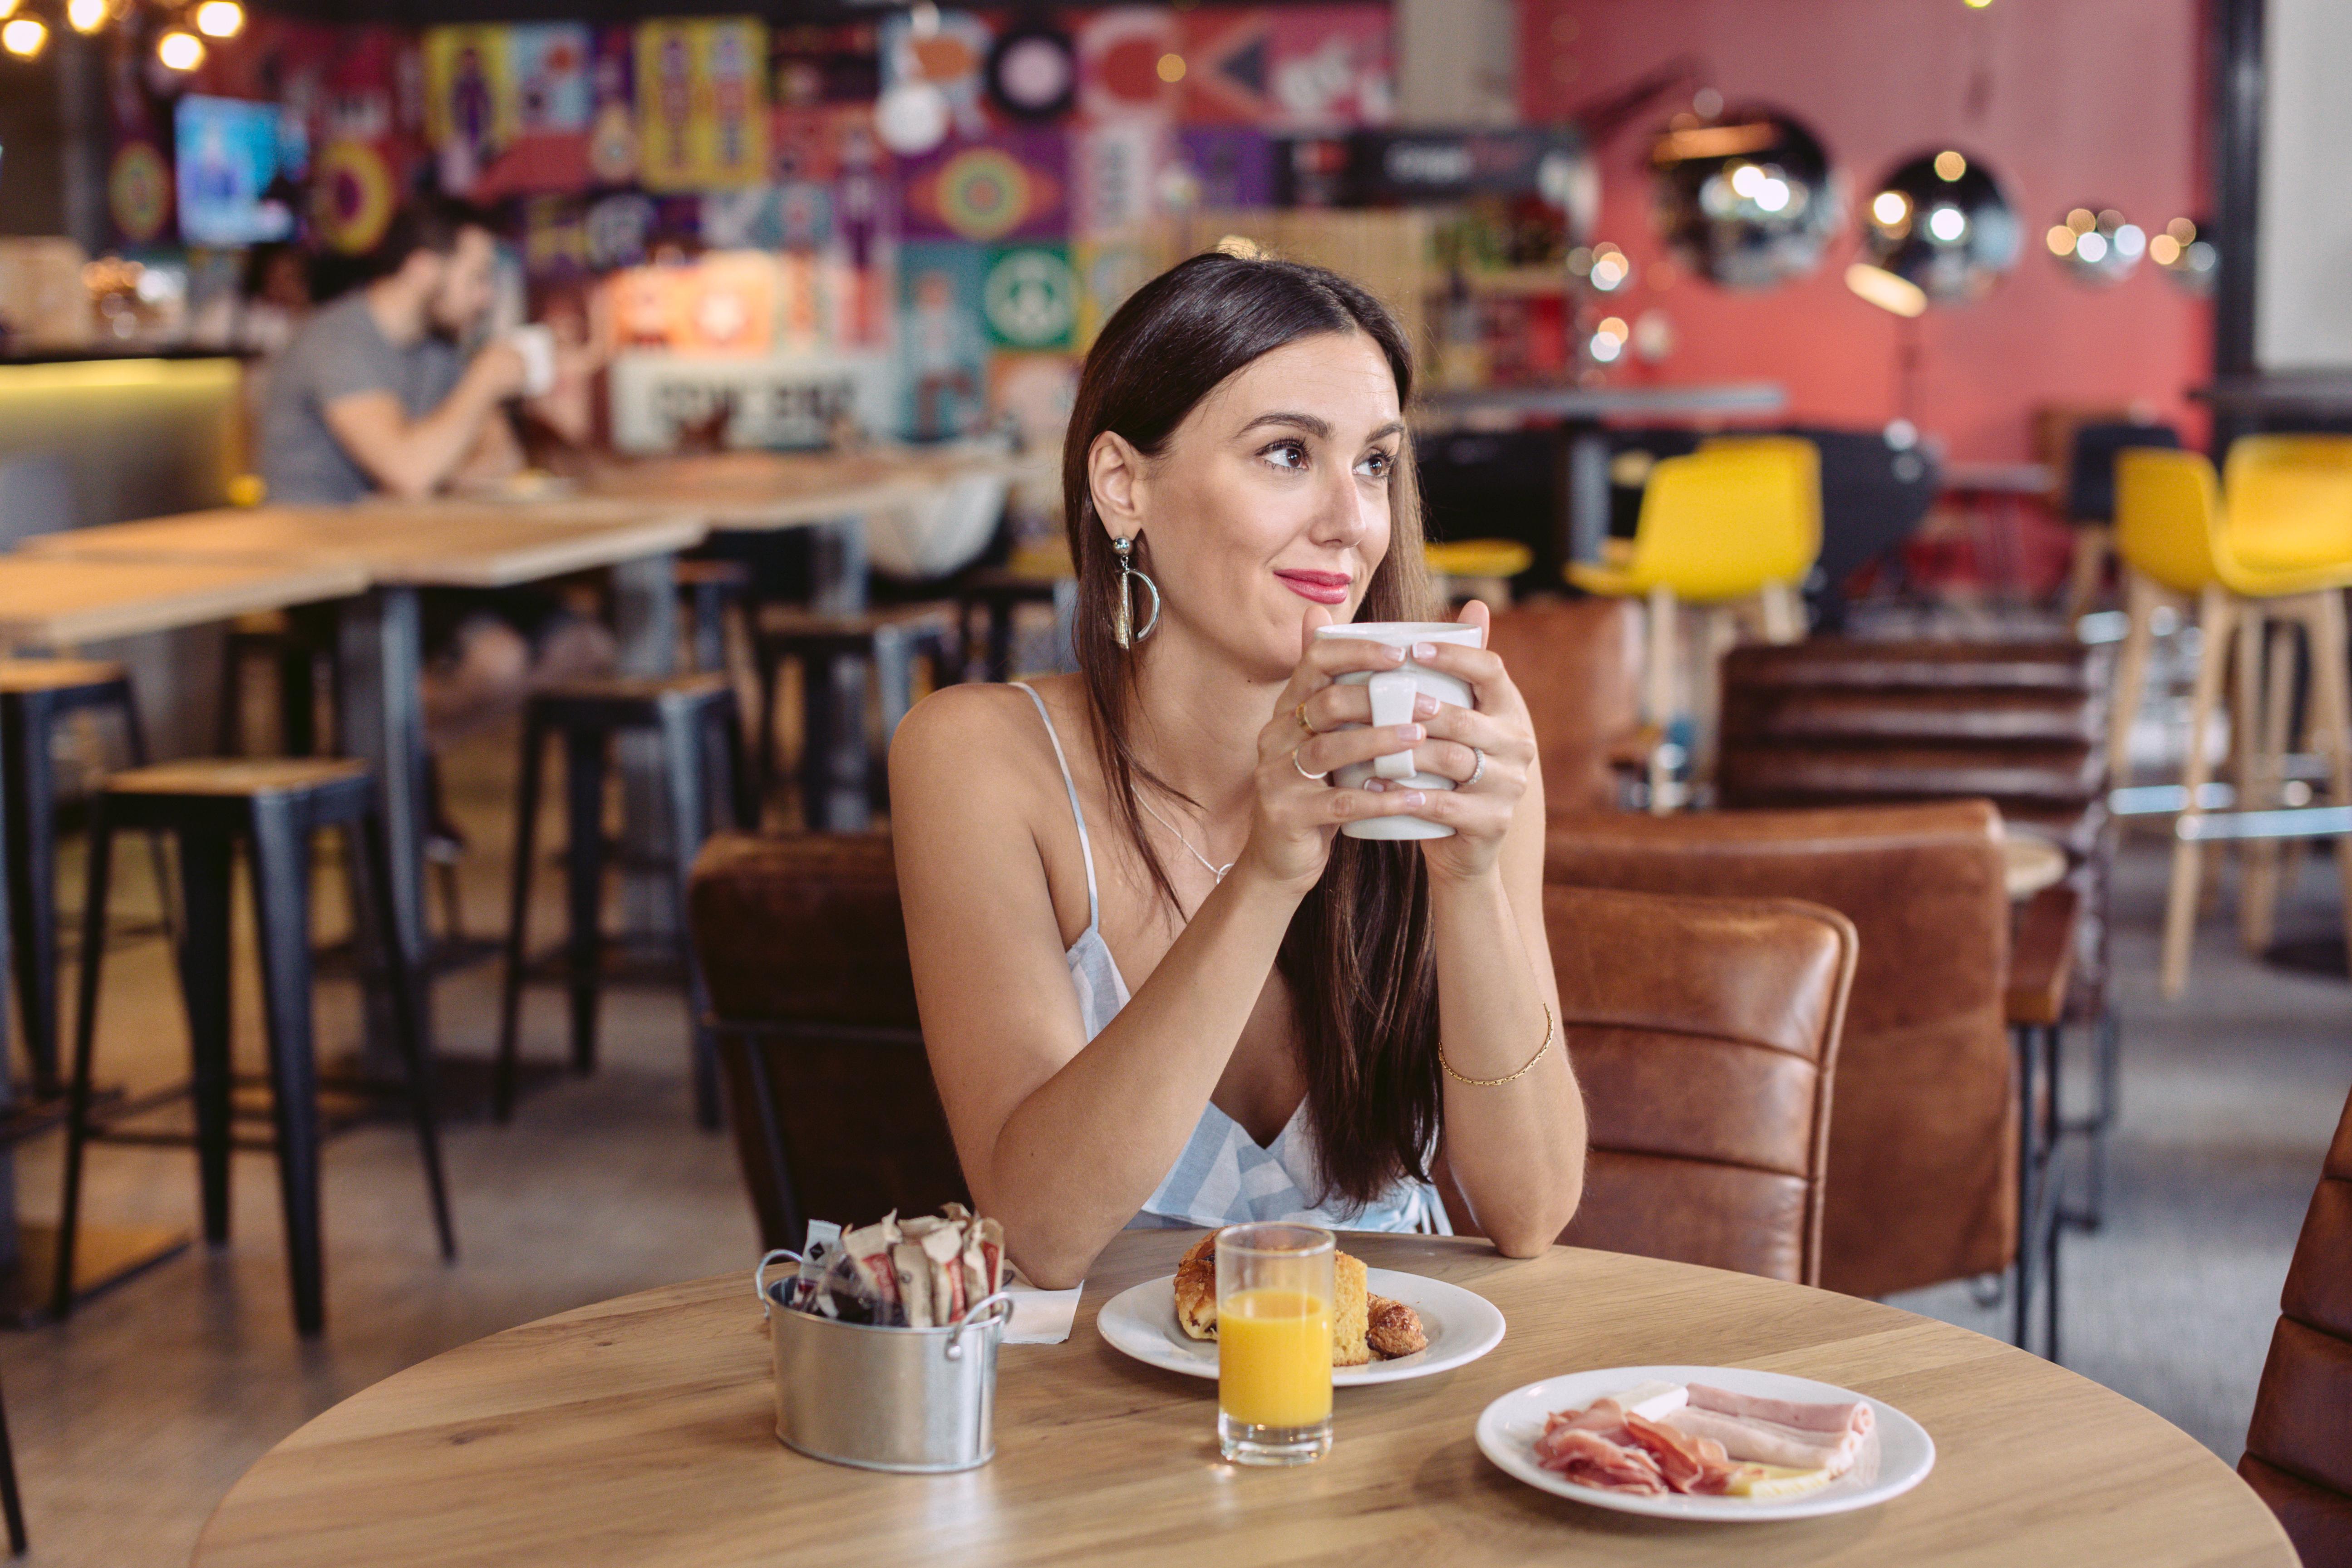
339	353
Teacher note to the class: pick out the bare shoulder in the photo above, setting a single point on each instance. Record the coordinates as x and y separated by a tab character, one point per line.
972	731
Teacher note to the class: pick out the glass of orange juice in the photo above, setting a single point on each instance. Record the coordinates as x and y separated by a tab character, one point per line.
1274	1296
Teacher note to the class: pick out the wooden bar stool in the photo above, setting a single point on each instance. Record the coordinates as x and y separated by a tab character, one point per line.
273	805
36	696
838	779
2249	570
703	748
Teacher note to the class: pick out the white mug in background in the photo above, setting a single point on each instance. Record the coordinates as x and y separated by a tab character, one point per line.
537	347
1392	693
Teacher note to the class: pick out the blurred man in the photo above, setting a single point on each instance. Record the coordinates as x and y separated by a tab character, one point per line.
377	393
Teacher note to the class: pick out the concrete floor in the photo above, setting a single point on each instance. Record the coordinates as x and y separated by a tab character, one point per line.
133	1419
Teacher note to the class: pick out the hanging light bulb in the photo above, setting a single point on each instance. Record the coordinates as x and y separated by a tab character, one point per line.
180	50
86	15
220	19
24	37
7	9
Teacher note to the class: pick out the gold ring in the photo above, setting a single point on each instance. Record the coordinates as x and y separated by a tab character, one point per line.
1299	713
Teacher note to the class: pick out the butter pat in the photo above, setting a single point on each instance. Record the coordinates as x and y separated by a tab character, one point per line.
1654	1401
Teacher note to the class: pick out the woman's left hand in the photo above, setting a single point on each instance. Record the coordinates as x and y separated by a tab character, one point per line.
1488	749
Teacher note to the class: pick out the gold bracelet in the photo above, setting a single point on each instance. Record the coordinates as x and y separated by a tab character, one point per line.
1549	1025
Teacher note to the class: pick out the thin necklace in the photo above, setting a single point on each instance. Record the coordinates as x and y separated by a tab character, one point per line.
1207	864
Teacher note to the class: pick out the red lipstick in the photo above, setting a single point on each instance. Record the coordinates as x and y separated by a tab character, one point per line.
1322	587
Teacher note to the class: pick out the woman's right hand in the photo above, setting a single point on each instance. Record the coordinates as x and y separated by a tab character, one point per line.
1296	814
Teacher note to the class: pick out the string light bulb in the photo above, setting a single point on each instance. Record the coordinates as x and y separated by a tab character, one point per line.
86	15
7	9
24	37
180	50
220	19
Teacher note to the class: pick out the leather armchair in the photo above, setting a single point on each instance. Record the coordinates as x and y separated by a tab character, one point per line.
1705	1036
1578	662
803	949
2299	1446
1922	1175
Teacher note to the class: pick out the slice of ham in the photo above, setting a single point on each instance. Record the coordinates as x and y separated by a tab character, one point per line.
1769	1442
1845	1415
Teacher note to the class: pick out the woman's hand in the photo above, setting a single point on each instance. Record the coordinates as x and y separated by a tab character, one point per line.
1296	809
1496	730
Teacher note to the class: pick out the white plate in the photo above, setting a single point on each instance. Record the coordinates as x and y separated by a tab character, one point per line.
1461	1327
1895	1457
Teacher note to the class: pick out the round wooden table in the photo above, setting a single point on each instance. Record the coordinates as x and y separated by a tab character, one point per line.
640	1431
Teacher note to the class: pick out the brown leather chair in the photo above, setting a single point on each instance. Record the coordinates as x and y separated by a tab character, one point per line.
1705	1034
1922	1155
1845	722
1579	664
2299	1448
805	953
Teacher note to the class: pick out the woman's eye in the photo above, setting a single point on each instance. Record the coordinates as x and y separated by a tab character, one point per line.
1288	456
1376	465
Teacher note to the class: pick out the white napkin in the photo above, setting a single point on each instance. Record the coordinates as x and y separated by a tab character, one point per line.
1041	1317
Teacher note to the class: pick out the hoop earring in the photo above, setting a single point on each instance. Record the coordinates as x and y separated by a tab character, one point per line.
1123	620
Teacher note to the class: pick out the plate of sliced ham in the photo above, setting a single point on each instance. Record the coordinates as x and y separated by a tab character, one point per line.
1705	1442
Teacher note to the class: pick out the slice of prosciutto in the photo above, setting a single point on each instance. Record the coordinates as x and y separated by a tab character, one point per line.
1590	1459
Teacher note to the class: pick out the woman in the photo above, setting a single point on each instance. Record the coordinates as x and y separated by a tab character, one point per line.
1157	987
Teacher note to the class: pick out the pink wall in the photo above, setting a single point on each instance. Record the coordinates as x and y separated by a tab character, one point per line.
2070	102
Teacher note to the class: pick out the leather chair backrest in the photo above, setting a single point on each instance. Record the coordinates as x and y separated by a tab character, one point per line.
804	950
2299	1448
1923	1150
1579	664
1704	1033
1840	721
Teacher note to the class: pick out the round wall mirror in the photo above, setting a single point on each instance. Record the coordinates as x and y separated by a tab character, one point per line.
1744	199
1941	223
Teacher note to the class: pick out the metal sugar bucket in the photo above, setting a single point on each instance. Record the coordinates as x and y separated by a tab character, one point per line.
917	1400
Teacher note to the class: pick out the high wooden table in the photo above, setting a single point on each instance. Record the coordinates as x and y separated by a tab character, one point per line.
47	603
639	1431
388	550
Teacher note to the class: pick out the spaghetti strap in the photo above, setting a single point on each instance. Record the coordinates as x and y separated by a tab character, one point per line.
1085	847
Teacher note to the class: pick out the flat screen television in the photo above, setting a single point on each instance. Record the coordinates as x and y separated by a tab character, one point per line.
229	152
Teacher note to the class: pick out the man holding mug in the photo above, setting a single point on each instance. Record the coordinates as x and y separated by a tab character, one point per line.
376	394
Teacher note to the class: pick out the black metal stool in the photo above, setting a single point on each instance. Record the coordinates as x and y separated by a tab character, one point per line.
694	716
838	780
712	589
998	593
295	654
36	696
274	804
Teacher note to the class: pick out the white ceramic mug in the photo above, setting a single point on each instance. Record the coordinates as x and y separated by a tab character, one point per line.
1392	693
537	347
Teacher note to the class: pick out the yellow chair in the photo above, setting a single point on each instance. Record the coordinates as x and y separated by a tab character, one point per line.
2179	544
1737	523
1478	569
2289	498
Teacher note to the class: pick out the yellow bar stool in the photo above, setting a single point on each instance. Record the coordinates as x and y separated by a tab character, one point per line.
2179	544
1478	569
1733	526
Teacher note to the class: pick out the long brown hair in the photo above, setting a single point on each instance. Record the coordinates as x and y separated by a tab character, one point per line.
1358	957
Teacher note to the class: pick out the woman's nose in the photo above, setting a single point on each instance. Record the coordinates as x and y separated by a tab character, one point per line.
1344	513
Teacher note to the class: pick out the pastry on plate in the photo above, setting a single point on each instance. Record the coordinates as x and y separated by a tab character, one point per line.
1394	1329
1364	1327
